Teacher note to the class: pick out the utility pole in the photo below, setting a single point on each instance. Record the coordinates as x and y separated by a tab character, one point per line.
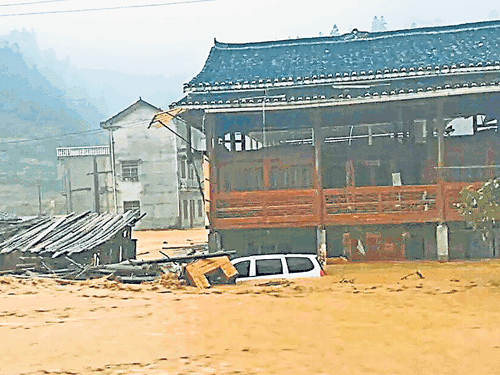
97	203
39	199
70	191
95	174
113	168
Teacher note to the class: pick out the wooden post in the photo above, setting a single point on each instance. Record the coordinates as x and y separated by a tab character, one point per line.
318	170
321	244
439	124
212	165
266	172
442	228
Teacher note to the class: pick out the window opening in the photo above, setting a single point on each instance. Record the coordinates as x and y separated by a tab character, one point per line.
130	171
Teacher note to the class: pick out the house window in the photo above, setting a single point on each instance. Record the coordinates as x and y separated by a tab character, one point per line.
130	171
200	208
191	172
183	168
185	210
131	206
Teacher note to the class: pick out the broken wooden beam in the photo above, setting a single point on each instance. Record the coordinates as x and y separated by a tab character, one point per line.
184	259
198	271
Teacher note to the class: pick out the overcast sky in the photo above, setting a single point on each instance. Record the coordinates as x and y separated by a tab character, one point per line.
176	39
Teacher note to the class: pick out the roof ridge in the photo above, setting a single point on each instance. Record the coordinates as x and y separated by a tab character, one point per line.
351	36
111	120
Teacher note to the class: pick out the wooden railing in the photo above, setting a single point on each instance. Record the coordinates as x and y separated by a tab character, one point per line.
346	206
381	204
272	208
451	192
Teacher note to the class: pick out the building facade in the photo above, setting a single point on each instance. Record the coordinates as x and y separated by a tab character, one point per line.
143	168
354	145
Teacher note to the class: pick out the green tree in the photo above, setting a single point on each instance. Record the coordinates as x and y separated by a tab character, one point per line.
481	207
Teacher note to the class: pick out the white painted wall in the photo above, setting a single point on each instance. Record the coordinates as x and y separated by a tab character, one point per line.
155	151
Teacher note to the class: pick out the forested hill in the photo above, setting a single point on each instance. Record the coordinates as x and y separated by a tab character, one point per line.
35	118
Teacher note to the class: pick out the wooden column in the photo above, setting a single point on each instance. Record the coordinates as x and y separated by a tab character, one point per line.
439	124
321	243
442	228
318	170
212	166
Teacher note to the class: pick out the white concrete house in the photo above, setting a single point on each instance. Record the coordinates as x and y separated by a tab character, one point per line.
149	171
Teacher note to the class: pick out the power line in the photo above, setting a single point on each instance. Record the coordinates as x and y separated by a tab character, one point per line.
100	9
130	124
53	137
33	2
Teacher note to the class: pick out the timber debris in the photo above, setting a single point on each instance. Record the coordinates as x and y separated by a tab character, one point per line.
204	272
416	273
90	245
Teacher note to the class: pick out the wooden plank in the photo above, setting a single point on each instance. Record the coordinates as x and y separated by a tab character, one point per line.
44	233
197	271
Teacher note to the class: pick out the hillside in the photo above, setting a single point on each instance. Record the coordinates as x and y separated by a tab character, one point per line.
42	100
33	117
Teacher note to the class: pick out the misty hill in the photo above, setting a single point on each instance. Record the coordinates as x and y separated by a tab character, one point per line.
96	94
122	89
35	116
59	73
43	99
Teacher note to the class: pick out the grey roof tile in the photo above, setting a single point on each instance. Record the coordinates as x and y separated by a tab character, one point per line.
349	55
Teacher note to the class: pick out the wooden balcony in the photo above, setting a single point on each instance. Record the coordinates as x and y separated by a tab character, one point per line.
267	209
382	205
346	206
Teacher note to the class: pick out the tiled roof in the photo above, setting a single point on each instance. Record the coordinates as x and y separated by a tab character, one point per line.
120	115
358	52
414	63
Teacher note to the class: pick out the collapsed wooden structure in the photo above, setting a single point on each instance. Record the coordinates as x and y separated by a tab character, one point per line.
74	239
10	225
353	145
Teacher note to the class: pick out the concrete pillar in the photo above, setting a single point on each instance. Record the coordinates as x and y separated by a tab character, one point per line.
442	242
321	245
214	241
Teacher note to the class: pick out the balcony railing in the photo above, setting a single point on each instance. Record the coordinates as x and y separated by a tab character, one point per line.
64	152
347	206
381	204
273	208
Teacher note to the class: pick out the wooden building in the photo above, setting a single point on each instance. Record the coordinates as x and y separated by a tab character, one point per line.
353	145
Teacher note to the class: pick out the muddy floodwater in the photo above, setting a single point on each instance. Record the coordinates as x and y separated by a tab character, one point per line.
359	319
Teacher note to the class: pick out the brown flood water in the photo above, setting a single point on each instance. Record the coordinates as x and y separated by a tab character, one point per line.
359	319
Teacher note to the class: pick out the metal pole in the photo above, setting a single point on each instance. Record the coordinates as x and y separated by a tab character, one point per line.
39	199
97	203
70	192
113	170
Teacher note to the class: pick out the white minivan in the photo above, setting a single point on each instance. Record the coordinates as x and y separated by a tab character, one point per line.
275	266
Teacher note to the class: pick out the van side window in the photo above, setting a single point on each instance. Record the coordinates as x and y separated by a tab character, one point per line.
243	268
299	264
268	267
